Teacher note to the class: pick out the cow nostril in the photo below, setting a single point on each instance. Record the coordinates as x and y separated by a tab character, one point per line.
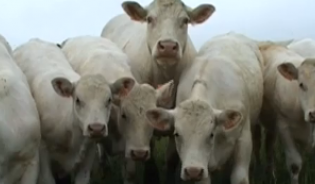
90	128
186	172
311	115
201	172
175	47
102	127
161	46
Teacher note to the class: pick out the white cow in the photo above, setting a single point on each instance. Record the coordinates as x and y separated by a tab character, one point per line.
155	37
19	120
97	55
304	47
74	111
219	98
288	108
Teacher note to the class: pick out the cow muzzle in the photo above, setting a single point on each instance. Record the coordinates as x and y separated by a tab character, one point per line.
193	173
140	154
97	130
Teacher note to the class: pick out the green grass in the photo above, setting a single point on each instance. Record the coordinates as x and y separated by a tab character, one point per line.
258	175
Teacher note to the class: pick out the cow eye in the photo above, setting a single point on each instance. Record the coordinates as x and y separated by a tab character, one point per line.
149	20
302	86
124	116
185	20
176	134
211	135
109	101
78	101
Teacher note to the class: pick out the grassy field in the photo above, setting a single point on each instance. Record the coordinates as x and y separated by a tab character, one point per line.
258	175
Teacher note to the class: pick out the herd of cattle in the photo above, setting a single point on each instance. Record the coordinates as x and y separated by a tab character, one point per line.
64	105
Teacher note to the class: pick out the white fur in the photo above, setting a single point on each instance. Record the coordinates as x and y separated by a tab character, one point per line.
304	47
286	107
139	39
91	55
63	127
19	121
226	75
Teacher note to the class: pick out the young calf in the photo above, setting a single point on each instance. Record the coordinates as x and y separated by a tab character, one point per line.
19	122
73	110
218	99
288	107
97	55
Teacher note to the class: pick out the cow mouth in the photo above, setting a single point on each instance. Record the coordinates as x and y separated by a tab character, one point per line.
166	61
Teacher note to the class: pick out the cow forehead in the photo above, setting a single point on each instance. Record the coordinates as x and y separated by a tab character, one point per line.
92	86
194	114
168	8
307	69
140	96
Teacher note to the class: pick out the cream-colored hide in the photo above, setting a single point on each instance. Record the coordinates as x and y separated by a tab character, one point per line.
219	98
304	47
19	123
155	37
73	110
288	108
92	54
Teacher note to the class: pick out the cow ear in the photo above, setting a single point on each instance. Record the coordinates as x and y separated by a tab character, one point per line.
165	95
122	87
201	13
135	11
63	86
288	71
229	119
161	119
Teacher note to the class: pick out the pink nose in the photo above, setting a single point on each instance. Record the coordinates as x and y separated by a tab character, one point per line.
139	154
167	48
96	129
193	173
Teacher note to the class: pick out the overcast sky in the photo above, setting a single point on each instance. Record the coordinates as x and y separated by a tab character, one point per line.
56	20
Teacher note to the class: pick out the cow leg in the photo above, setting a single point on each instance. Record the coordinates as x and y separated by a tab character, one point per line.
256	134
31	173
45	173
82	176
293	157
151	171
270	141
172	161
242	158
129	172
